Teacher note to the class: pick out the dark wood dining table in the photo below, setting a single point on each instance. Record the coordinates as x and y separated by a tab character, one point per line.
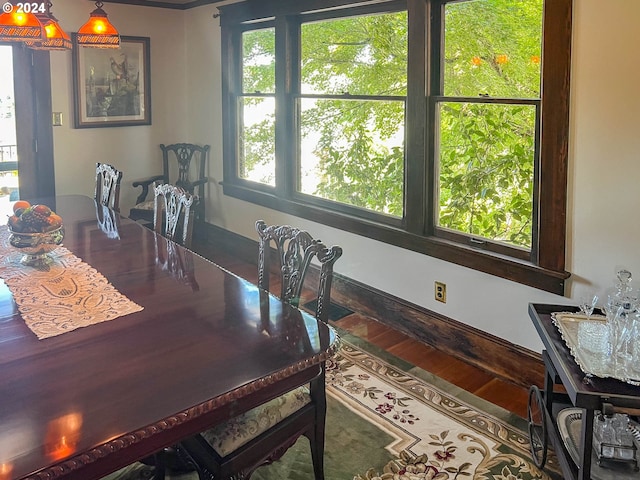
206	346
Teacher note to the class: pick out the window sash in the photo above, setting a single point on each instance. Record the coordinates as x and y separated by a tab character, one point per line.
255	163
486	244
308	163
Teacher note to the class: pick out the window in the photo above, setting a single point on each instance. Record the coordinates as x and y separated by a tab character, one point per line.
487	104
433	125
351	129
256	107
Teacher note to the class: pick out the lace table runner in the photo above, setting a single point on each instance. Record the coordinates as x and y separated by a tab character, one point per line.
67	295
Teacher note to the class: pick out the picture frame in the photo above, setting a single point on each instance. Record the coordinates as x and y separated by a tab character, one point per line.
112	87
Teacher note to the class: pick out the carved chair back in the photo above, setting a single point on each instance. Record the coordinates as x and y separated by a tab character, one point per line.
173	213
189	165
107	192
295	249
183	165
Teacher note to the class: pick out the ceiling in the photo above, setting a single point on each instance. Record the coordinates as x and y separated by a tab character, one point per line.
176	4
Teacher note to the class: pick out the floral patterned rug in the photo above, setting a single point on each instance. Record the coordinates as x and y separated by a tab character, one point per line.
436	435
388	420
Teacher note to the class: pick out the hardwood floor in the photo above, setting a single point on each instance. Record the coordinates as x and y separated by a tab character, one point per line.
468	377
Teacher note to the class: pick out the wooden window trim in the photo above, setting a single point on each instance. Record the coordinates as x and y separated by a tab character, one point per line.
546	268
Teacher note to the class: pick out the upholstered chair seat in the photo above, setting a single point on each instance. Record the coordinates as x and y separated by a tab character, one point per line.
146	205
233	434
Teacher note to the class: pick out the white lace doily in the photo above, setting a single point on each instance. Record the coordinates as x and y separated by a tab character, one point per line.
66	295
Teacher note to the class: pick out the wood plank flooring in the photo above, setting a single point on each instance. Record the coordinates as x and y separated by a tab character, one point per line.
447	367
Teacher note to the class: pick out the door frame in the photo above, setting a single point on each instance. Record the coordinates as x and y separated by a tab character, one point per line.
34	129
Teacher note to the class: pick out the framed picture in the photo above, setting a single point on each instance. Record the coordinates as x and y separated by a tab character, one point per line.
111	87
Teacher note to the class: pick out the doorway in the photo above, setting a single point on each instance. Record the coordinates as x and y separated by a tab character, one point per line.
8	140
26	136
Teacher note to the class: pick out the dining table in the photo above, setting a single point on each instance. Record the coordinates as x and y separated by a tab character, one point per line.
126	343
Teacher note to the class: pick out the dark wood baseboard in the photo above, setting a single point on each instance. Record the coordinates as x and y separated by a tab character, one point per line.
242	247
493	354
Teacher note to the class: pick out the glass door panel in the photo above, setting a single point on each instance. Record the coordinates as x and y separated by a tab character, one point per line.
8	142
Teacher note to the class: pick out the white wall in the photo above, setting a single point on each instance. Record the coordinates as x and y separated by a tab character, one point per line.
134	150
604	176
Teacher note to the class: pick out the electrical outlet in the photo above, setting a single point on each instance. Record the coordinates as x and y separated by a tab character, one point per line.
441	292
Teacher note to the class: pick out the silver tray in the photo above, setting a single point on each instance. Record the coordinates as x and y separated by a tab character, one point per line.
569	423
588	342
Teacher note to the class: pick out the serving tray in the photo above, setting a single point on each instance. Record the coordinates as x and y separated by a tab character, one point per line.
588	342
569	423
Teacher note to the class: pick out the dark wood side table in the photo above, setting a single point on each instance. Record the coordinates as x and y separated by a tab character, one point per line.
576	390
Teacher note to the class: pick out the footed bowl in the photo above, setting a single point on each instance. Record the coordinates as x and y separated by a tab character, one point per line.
36	246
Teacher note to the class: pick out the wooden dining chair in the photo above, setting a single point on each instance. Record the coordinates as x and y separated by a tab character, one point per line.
173	213
234	449
107	191
183	165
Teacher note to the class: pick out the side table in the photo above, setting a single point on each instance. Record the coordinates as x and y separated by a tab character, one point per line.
566	385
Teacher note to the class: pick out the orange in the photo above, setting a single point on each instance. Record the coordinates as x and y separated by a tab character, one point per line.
54	220
21	204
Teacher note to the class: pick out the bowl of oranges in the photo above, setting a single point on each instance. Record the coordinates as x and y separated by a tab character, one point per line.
36	230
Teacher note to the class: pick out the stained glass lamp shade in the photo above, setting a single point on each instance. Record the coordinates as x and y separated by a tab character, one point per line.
98	31
16	26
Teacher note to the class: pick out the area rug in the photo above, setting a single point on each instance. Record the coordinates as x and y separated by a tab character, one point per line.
389	420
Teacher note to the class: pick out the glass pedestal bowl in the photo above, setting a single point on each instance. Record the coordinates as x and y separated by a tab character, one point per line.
36	247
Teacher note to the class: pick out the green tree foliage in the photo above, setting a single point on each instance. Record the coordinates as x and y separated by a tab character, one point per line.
360	142
486	170
492	47
354	78
257	138
486	156
259	59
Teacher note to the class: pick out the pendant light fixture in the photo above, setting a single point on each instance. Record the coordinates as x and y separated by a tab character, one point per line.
17	25
98	31
56	37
